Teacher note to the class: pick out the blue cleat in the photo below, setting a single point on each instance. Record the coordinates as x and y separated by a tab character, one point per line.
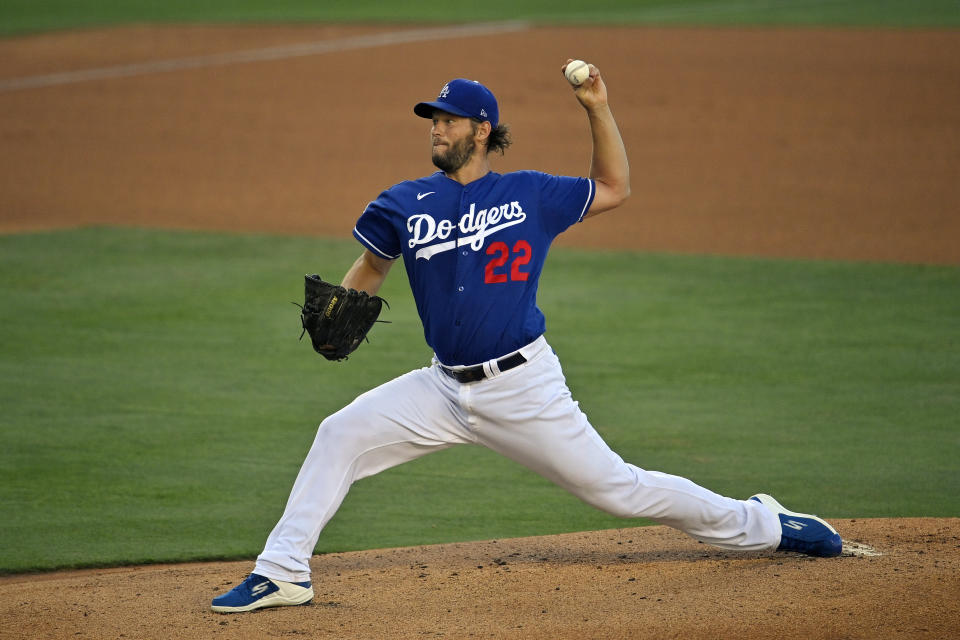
802	532
257	592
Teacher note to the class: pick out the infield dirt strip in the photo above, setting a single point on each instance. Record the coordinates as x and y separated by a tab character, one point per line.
801	143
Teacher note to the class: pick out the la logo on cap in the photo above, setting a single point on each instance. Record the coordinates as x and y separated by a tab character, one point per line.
464	98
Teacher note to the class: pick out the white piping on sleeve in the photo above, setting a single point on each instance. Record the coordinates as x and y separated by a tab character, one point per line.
586	204
373	246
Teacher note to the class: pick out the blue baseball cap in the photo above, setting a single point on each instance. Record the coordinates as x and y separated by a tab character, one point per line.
463	97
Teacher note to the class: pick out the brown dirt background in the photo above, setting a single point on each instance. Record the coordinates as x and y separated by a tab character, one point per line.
827	144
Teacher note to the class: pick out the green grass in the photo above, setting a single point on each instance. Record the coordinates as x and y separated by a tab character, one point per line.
156	404
19	16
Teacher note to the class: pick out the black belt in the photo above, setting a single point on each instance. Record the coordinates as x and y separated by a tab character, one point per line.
475	374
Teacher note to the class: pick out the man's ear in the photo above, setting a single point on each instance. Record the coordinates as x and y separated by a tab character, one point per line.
483	131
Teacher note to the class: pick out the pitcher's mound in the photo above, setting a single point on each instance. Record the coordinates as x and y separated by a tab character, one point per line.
896	579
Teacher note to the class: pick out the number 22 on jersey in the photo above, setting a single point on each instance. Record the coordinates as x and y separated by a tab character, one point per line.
497	270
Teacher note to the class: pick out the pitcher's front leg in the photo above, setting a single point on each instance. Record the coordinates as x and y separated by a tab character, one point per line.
397	422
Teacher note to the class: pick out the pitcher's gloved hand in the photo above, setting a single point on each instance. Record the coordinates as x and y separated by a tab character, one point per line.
336	318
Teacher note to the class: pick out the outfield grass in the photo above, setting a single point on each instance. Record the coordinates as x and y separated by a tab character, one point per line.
20	16
157	404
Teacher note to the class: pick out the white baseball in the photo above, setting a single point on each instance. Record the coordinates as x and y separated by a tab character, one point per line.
577	71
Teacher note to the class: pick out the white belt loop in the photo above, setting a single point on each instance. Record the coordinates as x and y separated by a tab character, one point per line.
534	349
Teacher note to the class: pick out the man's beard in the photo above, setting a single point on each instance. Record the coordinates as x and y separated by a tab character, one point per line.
456	155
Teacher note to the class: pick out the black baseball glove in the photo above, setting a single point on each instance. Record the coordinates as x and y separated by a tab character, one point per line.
336	318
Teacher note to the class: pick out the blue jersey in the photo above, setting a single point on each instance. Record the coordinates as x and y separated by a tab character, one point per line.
474	253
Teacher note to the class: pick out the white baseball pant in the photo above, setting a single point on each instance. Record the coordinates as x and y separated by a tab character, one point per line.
526	414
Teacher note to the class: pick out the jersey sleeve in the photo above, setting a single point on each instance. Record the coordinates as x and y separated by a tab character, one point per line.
565	200
375	228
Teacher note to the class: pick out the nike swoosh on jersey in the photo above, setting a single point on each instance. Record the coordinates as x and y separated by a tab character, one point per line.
421	196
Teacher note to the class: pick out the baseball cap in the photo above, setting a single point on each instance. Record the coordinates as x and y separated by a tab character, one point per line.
463	97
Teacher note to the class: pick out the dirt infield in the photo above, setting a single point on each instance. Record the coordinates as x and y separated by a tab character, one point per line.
648	582
824	144
803	143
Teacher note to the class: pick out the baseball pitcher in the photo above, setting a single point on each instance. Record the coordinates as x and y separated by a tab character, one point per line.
473	244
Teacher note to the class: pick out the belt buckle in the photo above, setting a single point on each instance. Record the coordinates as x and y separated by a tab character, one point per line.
463	376
474	374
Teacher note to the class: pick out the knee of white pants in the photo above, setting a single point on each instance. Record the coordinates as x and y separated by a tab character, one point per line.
356	448
612	499
333	434
345	436
617	493
337	445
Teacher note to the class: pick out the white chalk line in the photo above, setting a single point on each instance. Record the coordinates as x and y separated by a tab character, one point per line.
266	54
859	549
